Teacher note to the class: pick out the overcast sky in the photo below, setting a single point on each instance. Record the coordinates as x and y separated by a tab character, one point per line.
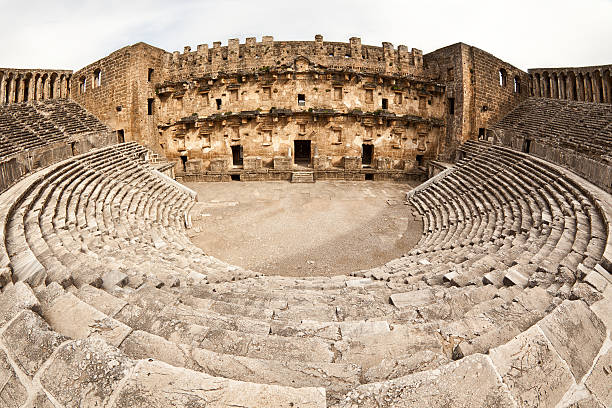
71	34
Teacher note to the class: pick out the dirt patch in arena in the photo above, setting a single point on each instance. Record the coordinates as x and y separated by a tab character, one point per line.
321	229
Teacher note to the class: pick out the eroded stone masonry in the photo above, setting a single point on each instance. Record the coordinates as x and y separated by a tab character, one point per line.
342	110
505	301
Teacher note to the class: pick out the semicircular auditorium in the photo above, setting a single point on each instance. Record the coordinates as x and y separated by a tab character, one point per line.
504	301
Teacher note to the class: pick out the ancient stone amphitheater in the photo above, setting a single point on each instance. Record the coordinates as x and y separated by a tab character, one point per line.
505	301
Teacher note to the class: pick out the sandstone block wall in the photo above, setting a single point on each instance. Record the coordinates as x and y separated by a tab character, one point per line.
482	87
116	89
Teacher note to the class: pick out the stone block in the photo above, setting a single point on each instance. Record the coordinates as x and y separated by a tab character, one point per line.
532	370
470	382
576	333
159	385
599	381
415	298
12	393
30	341
84	373
15	298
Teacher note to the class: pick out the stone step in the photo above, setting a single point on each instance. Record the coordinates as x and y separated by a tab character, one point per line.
302	177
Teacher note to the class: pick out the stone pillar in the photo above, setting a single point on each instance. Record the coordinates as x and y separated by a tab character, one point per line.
18	89
580	88
2	89
588	88
554	88
45	88
31	88
607	85
562	87
597	87
37	83
536	86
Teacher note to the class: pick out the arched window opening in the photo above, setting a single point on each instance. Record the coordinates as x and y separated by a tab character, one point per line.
82	85
97	78
26	89
517	85
502	77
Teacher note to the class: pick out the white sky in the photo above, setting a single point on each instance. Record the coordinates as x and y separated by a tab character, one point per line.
69	34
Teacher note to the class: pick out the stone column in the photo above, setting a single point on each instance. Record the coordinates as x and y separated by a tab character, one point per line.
607	84
31	88
2	89
554	88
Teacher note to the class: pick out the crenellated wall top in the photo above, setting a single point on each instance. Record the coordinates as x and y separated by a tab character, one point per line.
253	56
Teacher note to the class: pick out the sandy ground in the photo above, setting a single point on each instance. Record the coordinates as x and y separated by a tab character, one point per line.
326	228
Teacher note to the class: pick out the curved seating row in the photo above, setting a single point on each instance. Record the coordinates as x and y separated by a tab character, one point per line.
507	285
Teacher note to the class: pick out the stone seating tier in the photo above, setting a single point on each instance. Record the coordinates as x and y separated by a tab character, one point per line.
100	278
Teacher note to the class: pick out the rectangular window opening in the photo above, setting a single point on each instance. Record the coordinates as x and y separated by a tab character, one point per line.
150	75
369	177
218	102
301	99
150	106
120	136
338	93
451	106
385	103
237	158
398	98
235	177
419	159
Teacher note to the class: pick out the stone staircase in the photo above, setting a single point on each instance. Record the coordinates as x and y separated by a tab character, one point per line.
302	177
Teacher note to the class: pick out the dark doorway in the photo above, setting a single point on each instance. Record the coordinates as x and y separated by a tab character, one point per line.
237	155
74	148
184	162
419	159
235	177
482	134
367	151
526	145
120	136
369	177
302	152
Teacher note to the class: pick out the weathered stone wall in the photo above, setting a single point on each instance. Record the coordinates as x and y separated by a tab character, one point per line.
202	118
22	85
16	166
589	84
194	106
482	87
269	54
117	87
